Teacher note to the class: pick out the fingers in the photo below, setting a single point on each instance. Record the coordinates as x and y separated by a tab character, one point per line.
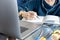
21	12
30	15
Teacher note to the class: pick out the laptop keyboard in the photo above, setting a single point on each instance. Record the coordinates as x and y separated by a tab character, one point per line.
23	29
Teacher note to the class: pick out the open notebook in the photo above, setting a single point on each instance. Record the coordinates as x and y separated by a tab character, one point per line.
47	19
52	19
38	20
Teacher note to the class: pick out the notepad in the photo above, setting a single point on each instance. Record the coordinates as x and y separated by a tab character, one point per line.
47	19
37	20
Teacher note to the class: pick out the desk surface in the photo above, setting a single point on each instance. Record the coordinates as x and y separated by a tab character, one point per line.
30	28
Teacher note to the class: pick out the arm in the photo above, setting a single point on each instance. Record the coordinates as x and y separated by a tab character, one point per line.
28	5
25	6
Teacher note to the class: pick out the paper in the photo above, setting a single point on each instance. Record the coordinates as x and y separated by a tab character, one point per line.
38	20
51	19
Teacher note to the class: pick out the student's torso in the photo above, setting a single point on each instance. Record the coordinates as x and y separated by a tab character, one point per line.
52	11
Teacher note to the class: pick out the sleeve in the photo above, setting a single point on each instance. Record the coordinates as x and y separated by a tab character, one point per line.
55	10
28	5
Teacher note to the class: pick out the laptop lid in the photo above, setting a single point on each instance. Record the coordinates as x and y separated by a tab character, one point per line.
9	20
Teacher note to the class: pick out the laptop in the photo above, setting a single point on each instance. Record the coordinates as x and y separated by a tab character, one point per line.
9	20
28	28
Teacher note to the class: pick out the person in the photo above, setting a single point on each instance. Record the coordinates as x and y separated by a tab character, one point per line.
41	7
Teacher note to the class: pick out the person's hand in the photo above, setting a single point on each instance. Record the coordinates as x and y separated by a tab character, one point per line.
30	15
24	14
21	13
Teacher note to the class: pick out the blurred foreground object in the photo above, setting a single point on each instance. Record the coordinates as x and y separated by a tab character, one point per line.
42	38
56	35
9	20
